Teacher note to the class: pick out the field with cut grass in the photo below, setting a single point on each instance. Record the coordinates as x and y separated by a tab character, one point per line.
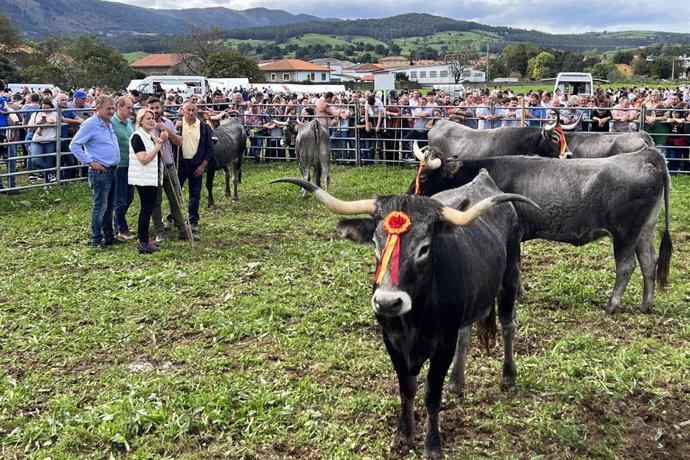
260	343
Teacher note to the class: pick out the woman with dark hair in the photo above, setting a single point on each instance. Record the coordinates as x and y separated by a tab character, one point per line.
600	118
43	144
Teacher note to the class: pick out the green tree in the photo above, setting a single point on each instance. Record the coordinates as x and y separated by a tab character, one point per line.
661	67
541	65
231	64
96	64
623	57
401	76
640	65
9	36
515	57
46	73
602	70
9	72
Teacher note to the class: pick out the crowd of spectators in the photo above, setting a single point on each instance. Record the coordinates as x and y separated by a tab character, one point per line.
365	125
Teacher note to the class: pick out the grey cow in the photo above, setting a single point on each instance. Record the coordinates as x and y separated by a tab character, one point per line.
230	141
313	148
581	200
460	142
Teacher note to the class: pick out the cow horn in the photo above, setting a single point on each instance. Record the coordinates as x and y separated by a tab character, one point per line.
552	126
346	208
573	125
466	218
423	155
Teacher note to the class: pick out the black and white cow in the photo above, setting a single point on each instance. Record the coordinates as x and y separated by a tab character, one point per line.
230	144
580	201
442	263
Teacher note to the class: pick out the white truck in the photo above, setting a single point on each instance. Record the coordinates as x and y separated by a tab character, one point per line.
184	85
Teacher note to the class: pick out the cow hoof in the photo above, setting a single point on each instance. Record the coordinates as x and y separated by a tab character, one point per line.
507	383
401	444
609	309
433	454
644	309
457	390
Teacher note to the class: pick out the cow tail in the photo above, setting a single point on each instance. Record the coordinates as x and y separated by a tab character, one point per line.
486	330
317	131
666	246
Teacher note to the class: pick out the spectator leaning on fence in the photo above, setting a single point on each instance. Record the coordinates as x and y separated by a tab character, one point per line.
677	152
43	146
95	145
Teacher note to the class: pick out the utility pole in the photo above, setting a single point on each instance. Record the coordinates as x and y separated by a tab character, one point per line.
487	62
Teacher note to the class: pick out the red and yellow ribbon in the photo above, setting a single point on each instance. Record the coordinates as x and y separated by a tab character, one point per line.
395	224
561	138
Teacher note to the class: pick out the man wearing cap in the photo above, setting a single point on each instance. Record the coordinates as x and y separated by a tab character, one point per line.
78	104
95	145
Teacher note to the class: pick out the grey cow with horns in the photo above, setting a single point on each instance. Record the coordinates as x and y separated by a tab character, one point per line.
444	262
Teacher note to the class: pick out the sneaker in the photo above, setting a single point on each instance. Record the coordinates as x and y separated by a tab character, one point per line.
113	242
147	248
127	236
52	177
195	228
160	237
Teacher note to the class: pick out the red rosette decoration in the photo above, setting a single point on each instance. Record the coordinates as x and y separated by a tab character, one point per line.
395	224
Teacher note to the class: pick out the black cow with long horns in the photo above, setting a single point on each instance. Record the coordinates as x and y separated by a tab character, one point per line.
443	262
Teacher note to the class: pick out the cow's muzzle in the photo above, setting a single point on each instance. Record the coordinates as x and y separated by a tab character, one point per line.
390	303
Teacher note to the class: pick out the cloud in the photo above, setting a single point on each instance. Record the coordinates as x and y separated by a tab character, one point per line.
552	16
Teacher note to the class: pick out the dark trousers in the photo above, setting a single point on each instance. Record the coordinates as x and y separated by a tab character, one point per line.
186	172
411	136
147	197
124	196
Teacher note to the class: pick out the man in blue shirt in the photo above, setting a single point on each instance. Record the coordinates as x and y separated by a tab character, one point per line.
95	145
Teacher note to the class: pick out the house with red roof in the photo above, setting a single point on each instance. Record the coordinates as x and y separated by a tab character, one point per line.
161	64
294	70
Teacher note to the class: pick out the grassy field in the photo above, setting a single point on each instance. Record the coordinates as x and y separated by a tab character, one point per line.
260	342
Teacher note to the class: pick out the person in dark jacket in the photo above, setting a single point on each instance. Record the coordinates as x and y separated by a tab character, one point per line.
196	152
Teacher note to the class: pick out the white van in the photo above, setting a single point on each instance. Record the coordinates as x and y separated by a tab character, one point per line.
184	85
574	83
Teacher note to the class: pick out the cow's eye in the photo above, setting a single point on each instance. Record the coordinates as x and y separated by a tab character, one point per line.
423	251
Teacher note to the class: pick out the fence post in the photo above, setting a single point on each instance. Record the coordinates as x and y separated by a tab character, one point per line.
58	145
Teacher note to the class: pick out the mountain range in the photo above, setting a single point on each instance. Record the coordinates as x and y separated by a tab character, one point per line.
118	22
39	18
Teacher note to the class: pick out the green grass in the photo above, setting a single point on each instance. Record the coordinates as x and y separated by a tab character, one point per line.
260	342
447	39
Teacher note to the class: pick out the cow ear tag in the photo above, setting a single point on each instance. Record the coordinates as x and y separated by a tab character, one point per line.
395	224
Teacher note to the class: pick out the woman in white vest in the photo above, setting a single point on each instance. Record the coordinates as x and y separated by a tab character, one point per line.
145	172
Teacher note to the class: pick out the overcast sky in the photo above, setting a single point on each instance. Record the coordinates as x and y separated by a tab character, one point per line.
553	16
